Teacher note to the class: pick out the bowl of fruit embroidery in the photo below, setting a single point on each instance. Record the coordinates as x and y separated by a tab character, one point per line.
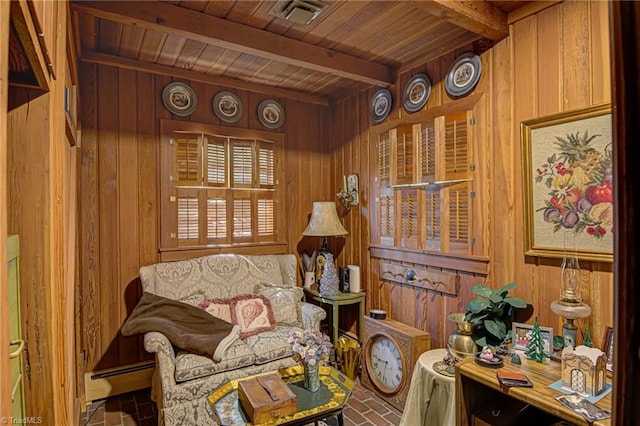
579	184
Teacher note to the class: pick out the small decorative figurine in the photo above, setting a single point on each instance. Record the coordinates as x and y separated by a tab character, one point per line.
486	353
515	359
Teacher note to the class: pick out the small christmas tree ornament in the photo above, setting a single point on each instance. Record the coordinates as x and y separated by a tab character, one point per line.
329	283
587	339
535	348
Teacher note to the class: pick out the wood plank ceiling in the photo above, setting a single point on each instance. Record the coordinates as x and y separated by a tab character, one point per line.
349	46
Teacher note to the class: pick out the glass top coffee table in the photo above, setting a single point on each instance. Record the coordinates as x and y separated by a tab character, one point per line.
328	401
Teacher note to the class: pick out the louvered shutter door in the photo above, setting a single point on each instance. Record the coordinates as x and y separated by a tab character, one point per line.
427	158
188	230
409	218
242	218
242	164
459	218
432	220
217	218
386	216
187	156
266	165
456	146
383	159
216	161
265	217
404	157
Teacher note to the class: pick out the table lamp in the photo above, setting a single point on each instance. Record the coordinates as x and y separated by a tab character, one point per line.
324	223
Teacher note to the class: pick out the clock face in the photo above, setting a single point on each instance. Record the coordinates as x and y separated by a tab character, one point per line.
385	364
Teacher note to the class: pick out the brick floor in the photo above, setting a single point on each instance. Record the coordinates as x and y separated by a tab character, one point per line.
136	409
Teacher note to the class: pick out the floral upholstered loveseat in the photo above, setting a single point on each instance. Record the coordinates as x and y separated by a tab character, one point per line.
182	381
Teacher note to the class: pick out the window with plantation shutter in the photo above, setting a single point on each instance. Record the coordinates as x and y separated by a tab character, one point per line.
424	185
219	186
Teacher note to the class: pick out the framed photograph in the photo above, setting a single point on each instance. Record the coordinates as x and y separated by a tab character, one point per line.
522	335
568	184
607	347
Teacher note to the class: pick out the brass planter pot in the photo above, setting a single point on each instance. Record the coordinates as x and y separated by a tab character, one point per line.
461	343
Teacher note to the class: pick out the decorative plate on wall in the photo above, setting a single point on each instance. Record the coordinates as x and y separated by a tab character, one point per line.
380	105
463	75
270	114
416	93
179	99
227	106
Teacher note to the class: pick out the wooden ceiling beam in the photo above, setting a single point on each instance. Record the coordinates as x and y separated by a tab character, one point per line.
132	64
193	25
479	17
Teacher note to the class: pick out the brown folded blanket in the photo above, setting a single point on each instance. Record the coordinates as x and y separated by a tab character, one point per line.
186	326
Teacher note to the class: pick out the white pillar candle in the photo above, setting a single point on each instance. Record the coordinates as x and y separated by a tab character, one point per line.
354	278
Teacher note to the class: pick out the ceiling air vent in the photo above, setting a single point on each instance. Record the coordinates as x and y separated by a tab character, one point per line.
297	11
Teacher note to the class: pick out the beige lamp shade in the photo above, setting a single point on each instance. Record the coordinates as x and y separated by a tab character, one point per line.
324	221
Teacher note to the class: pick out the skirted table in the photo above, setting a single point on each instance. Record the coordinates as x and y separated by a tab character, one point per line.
431	398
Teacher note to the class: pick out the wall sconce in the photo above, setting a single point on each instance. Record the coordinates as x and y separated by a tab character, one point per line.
348	195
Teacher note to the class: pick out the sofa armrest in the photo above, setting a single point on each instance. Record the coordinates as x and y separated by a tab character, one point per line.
311	316
156	342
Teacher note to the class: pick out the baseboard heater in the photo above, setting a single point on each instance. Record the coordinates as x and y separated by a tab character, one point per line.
116	381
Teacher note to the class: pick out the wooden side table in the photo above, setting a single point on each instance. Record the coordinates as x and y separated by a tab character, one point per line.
336	301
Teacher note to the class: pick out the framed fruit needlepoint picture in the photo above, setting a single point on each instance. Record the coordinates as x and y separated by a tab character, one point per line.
568	184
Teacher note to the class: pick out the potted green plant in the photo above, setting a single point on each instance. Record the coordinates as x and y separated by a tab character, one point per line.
490	312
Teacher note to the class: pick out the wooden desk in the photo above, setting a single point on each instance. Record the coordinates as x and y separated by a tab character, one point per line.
336	301
477	387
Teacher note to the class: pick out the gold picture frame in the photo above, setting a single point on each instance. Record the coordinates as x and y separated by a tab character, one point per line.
568	184
520	333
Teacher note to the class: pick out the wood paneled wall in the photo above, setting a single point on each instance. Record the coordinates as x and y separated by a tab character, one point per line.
41	210
551	62
5	367
121	111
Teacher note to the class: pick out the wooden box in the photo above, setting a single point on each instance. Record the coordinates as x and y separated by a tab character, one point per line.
265	398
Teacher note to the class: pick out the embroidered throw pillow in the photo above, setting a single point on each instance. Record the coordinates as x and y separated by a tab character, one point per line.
252	312
284	301
219	308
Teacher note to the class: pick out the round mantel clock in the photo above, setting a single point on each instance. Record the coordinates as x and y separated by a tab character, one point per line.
391	350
